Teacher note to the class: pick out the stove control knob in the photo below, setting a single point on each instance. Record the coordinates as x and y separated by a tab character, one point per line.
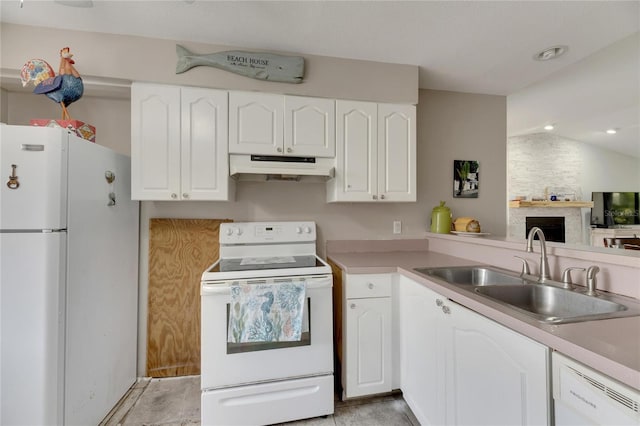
298	230
229	231
307	230
238	231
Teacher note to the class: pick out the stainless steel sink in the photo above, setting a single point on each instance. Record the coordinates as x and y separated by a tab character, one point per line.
548	302
472	275
557	305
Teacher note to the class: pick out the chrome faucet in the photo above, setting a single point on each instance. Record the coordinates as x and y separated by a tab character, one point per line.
544	263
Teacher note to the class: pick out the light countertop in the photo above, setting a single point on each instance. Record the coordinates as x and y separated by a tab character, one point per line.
610	346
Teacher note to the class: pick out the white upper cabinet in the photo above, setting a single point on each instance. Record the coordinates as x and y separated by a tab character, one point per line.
269	124
155	142
181	138
375	153
309	127
256	123
205	163
179	143
356	153
396	152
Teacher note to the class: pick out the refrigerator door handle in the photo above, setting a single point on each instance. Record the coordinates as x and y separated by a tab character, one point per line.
31	147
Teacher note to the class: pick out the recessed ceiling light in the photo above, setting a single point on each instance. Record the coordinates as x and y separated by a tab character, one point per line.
550	53
548	127
612	131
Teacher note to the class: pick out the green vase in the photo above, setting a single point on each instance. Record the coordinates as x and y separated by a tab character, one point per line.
441	219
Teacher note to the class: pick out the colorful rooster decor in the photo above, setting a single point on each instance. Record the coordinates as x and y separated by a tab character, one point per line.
64	88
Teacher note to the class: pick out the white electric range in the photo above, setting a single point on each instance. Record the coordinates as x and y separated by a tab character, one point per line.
266	382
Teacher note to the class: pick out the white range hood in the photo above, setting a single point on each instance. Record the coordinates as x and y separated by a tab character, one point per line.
264	167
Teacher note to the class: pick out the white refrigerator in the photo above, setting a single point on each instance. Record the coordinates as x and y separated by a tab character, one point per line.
68	278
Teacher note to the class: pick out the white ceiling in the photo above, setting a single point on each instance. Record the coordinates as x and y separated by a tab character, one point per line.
466	46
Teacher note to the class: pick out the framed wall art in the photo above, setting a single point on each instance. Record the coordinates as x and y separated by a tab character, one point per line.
466	178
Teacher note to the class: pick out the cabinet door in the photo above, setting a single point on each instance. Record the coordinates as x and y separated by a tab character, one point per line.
256	123
396	152
356	153
205	166
155	142
421	362
368	346
309	127
494	375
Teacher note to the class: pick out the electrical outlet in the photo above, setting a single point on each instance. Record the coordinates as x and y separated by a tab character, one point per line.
397	227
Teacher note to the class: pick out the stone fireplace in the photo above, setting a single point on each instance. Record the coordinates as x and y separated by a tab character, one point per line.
571	216
540	165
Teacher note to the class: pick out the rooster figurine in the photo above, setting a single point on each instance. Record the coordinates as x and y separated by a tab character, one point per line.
64	88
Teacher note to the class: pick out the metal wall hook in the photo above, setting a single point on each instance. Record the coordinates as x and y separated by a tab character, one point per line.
110	177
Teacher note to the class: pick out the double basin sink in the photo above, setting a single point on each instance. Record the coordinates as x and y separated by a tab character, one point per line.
547	302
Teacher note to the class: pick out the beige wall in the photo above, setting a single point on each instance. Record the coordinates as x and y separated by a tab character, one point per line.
154	60
462	126
4	106
110	116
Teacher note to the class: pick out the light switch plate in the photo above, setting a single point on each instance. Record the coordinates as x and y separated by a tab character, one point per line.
397	227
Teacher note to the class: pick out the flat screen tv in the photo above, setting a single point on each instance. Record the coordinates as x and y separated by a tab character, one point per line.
614	209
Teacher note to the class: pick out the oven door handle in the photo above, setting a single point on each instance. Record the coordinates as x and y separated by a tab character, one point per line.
218	287
214	289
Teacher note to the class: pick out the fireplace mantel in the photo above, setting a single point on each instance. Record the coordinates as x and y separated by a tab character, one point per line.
550	204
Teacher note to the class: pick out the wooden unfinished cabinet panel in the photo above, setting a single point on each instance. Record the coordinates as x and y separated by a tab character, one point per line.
179	252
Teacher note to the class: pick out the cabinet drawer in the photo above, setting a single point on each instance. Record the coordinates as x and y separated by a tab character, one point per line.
368	285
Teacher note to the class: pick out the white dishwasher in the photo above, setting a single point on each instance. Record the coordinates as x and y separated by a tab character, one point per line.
583	396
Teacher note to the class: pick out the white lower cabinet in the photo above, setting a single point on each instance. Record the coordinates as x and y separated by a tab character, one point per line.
460	368
422	374
493	374
367	335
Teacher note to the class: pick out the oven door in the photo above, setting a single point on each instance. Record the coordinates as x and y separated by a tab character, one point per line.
226	364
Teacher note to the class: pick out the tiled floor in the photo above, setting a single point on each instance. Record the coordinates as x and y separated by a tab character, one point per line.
176	401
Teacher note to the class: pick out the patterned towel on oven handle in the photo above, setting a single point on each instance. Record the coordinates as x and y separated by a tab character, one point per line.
266	312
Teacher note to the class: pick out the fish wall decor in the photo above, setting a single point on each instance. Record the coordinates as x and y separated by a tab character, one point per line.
261	66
